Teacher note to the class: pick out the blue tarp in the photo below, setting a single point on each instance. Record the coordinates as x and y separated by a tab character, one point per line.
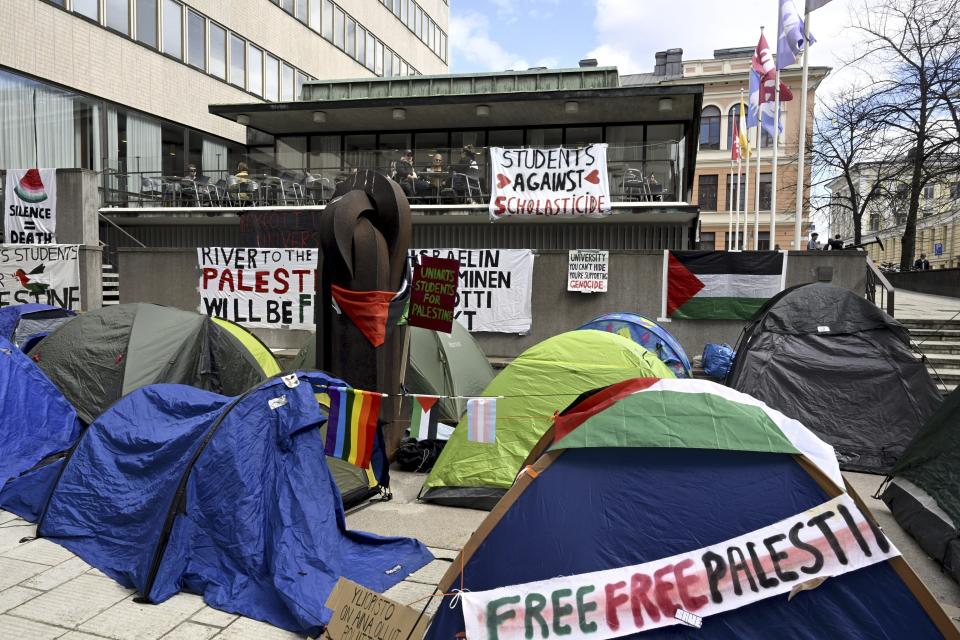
603	508
178	489
649	335
37	421
10	317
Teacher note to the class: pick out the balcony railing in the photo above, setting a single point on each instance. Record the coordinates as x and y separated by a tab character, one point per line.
641	173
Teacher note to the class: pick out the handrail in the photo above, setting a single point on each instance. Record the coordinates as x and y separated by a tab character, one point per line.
875	277
120	229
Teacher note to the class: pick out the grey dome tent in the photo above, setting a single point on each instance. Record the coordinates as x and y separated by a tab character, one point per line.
923	492
835	361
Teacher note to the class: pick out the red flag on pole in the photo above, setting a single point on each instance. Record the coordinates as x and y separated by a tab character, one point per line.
735	143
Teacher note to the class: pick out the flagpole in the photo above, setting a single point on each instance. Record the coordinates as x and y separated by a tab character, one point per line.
729	209
802	148
776	142
746	186
756	202
737	237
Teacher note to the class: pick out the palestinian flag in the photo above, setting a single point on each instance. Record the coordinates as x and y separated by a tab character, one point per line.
423	422
30	187
721	285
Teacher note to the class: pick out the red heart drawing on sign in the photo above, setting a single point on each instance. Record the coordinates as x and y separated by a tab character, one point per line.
502	181
593	176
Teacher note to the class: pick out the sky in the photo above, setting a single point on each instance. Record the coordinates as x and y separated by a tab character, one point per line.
495	35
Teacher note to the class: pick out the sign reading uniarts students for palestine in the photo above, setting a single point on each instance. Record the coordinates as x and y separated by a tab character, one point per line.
549	182
587	271
266	288
433	296
30	206
495	288
48	274
790	556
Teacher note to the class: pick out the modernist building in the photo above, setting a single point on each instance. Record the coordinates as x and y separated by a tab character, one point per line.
123	86
723	77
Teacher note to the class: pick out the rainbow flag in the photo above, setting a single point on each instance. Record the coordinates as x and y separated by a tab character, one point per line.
352	425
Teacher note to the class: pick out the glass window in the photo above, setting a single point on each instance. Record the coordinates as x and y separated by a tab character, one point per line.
764	238
327	20
404	69
460	139
370	53
88	8
733	121
351	43
338	27
361	44
396	7
360	151
255	70
443	46
387	63
286	5
272	78
59	3
403	10
544	138
118	15
147	22
710	128
218	51
426	145
292	152
766	182
238	63
506	138
418	22
301	78
300	10
286	82
431	32
411	14
314	18
196	40
378	68
708	241
173	28
707	198
582	136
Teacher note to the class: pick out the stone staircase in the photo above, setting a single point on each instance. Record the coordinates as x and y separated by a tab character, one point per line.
111	285
939	341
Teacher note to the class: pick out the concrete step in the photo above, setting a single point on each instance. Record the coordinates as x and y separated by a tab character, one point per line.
946	389
929	335
943	361
110	281
927	323
932	347
945	375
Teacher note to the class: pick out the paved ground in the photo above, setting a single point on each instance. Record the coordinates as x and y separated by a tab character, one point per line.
924	306
47	593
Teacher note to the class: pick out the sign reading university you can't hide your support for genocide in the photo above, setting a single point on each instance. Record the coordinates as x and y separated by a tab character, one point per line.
433	297
792	555
270	288
30	206
48	274
587	271
549	182
495	287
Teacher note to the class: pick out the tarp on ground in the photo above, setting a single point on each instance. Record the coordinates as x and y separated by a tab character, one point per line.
109	352
650	469
649	335
180	489
36	420
538	383
830	358
924	492
20	322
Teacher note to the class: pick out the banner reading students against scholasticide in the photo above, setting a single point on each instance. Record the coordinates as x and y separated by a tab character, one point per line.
549	182
268	288
823	542
495	288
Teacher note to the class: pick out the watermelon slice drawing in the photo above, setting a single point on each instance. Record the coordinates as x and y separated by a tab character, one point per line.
30	188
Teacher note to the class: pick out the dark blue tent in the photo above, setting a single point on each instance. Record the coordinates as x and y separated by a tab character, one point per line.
594	504
20	322
649	335
179	489
37	421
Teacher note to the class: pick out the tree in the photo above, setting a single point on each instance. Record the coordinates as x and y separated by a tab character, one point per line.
915	45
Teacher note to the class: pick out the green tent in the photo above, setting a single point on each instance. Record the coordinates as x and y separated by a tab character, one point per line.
543	380
99	356
445	364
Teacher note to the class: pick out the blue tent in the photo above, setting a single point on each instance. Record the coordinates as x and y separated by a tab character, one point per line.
20	322
615	492
36	421
649	335
179	489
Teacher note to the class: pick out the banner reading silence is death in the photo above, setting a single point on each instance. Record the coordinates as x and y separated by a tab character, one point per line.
495	288
48	274
549	182
30	206
267	288
790	556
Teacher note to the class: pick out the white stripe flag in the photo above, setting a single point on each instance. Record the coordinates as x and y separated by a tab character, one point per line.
813	5
482	420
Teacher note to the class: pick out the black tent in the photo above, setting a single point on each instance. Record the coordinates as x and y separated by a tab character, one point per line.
924	491
839	364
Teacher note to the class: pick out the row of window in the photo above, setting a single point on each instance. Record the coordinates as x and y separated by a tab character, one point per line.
188	36
708	240
710	128
339	28
707	191
416	19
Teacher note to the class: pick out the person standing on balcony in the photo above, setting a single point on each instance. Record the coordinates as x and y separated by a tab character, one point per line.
814	243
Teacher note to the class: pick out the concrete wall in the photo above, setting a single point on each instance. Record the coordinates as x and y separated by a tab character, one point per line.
169	277
941	282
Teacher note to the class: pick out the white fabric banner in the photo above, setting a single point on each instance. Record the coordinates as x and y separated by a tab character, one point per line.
30	206
792	555
495	289
48	274
266	288
549	182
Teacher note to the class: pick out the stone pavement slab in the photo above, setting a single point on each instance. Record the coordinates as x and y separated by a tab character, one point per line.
20	629
924	306
74	602
247	629
79	635
192	631
16	571
55	576
128	620
213	617
42	551
16	596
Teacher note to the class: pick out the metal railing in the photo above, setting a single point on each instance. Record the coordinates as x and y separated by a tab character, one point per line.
875	278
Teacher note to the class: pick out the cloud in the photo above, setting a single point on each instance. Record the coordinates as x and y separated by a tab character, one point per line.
471	41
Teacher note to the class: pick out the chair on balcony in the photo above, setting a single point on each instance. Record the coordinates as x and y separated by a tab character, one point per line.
466	187
291	189
634	185
222	193
317	189
151	189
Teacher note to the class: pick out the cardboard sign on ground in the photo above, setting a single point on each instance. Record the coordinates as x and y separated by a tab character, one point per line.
362	614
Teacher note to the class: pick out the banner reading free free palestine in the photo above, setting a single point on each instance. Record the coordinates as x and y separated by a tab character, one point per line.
823	542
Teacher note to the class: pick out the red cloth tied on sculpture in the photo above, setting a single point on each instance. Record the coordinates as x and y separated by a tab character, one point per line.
368	310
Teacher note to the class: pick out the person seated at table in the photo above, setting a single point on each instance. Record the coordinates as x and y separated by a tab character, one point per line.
240	181
467	164
406	175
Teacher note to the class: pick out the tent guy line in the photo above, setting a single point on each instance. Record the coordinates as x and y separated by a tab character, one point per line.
426	395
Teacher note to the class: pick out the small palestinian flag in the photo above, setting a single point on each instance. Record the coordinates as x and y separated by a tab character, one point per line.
482	420
30	187
423	422
721	285
352	425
